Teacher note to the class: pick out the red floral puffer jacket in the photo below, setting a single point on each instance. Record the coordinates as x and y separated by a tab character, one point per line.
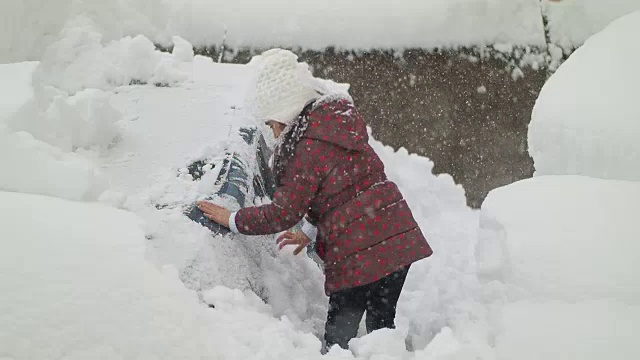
365	228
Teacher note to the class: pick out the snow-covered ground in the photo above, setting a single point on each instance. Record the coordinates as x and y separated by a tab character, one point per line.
118	123
98	260
563	249
559	251
590	219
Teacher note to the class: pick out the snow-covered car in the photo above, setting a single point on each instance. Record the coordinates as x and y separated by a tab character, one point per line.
242	176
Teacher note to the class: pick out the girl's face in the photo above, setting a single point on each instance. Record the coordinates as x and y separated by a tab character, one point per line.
276	127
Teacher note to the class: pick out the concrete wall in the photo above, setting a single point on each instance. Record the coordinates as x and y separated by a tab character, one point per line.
430	103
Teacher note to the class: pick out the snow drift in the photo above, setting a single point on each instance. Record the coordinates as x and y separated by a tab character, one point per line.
137	122
565	237
586	120
559	254
75	286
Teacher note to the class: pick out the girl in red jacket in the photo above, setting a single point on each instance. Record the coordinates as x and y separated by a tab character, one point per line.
327	173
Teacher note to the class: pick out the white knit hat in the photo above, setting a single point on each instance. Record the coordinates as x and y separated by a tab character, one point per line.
283	87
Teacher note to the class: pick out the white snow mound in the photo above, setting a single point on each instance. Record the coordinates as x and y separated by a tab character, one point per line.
32	166
437	287
586	120
97	298
75	285
563	237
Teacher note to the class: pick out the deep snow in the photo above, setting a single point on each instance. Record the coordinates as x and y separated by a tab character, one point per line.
586	120
31	25
88	293
534	228
154	133
556	253
560	254
306	23
118	122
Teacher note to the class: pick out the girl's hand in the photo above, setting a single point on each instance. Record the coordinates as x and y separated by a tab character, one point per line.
214	212
291	238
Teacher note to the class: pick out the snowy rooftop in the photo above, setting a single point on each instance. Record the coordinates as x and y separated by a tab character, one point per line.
353	25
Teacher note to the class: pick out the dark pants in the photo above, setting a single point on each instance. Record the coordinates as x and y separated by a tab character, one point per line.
346	308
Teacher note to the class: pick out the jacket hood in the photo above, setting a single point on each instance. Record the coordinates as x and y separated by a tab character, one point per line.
336	121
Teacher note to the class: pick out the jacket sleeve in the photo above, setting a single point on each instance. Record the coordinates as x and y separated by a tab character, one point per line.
300	182
310	230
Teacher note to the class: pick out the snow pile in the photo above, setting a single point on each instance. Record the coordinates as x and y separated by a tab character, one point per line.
79	60
30	164
83	120
58	108
586	120
567	237
32	25
437	288
76	286
572	22
563	248
90	117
